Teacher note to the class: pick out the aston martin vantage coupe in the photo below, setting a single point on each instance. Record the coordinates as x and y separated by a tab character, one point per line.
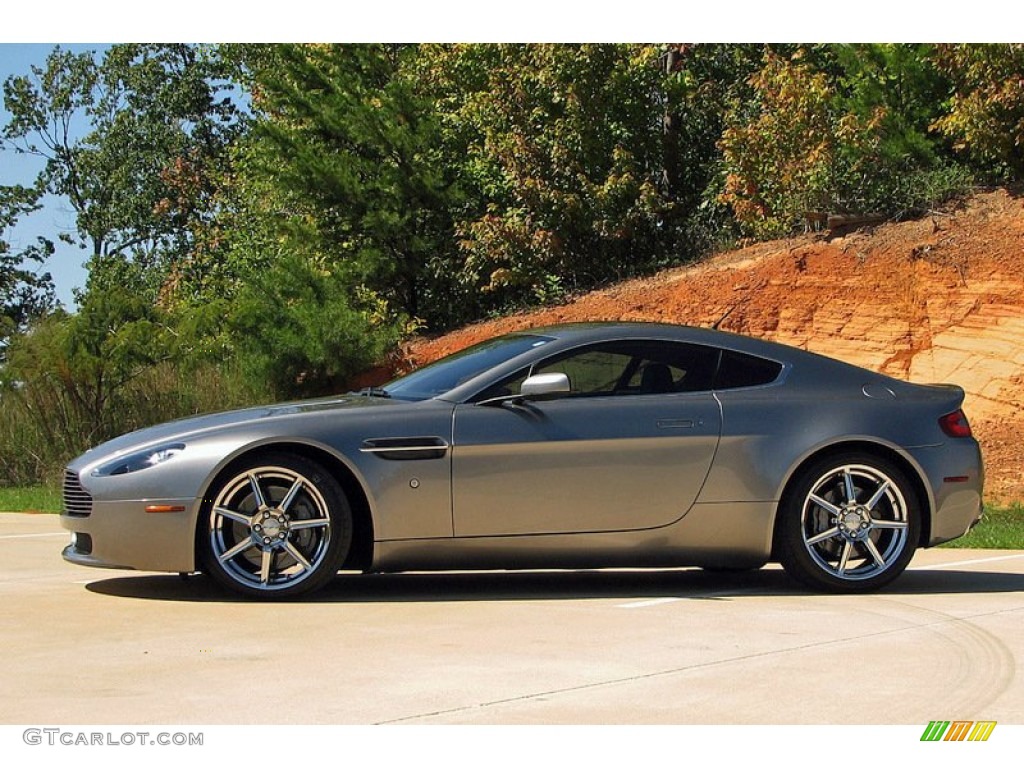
576	446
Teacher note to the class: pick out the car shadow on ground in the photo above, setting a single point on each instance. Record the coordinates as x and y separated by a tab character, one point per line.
684	584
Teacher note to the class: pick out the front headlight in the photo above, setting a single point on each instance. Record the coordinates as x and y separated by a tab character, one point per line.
133	462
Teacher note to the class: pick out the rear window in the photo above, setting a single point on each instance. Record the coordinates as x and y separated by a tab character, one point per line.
739	370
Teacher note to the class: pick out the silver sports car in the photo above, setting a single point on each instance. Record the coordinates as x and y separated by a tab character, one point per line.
577	446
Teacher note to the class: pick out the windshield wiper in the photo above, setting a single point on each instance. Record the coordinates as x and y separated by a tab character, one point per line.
373	392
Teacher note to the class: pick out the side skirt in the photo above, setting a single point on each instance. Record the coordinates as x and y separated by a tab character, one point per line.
722	534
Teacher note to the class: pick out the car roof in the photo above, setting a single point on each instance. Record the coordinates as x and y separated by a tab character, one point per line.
585	332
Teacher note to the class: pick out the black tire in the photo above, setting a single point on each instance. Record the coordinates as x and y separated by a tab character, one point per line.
275	527
849	523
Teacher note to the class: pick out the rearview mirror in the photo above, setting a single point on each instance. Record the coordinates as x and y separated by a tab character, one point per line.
544	386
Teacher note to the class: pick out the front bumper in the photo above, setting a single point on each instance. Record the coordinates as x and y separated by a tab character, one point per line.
121	534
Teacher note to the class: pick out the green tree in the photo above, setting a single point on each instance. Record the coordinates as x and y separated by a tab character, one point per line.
908	168
779	148
25	294
986	113
298	333
352	151
700	83
836	129
132	142
560	149
124	139
326	221
71	372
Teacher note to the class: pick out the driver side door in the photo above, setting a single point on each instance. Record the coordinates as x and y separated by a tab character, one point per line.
629	447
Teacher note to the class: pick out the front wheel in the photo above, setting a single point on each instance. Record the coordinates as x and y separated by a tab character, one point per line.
277	527
850	523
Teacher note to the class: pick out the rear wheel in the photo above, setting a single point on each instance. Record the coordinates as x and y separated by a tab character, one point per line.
277	527
850	523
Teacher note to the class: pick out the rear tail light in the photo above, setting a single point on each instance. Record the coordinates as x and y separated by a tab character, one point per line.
955	424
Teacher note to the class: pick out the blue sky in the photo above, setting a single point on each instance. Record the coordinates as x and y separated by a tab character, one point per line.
55	217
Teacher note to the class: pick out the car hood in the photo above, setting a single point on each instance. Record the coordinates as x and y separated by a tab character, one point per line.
195	426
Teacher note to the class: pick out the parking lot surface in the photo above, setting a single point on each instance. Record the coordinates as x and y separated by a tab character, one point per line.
591	647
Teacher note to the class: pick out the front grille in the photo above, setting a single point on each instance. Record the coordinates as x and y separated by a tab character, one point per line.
77	502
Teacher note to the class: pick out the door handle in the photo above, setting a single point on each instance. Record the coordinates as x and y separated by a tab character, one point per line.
675	423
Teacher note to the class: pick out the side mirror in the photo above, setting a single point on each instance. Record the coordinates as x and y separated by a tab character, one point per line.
545	386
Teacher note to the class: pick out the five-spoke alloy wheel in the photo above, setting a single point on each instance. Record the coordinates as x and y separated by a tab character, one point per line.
277	527
850	523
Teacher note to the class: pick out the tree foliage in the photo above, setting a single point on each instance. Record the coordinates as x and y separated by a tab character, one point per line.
90	356
986	113
299	333
561	152
25	294
353	152
128	142
836	129
124	139
779	150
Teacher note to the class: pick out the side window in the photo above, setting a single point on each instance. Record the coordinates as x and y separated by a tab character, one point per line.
633	368
595	372
739	370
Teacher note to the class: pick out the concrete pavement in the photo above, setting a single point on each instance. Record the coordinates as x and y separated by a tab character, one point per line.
593	647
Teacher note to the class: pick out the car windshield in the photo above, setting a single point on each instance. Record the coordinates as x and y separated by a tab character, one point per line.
447	373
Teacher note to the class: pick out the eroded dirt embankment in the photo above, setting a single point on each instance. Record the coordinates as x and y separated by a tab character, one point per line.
940	299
